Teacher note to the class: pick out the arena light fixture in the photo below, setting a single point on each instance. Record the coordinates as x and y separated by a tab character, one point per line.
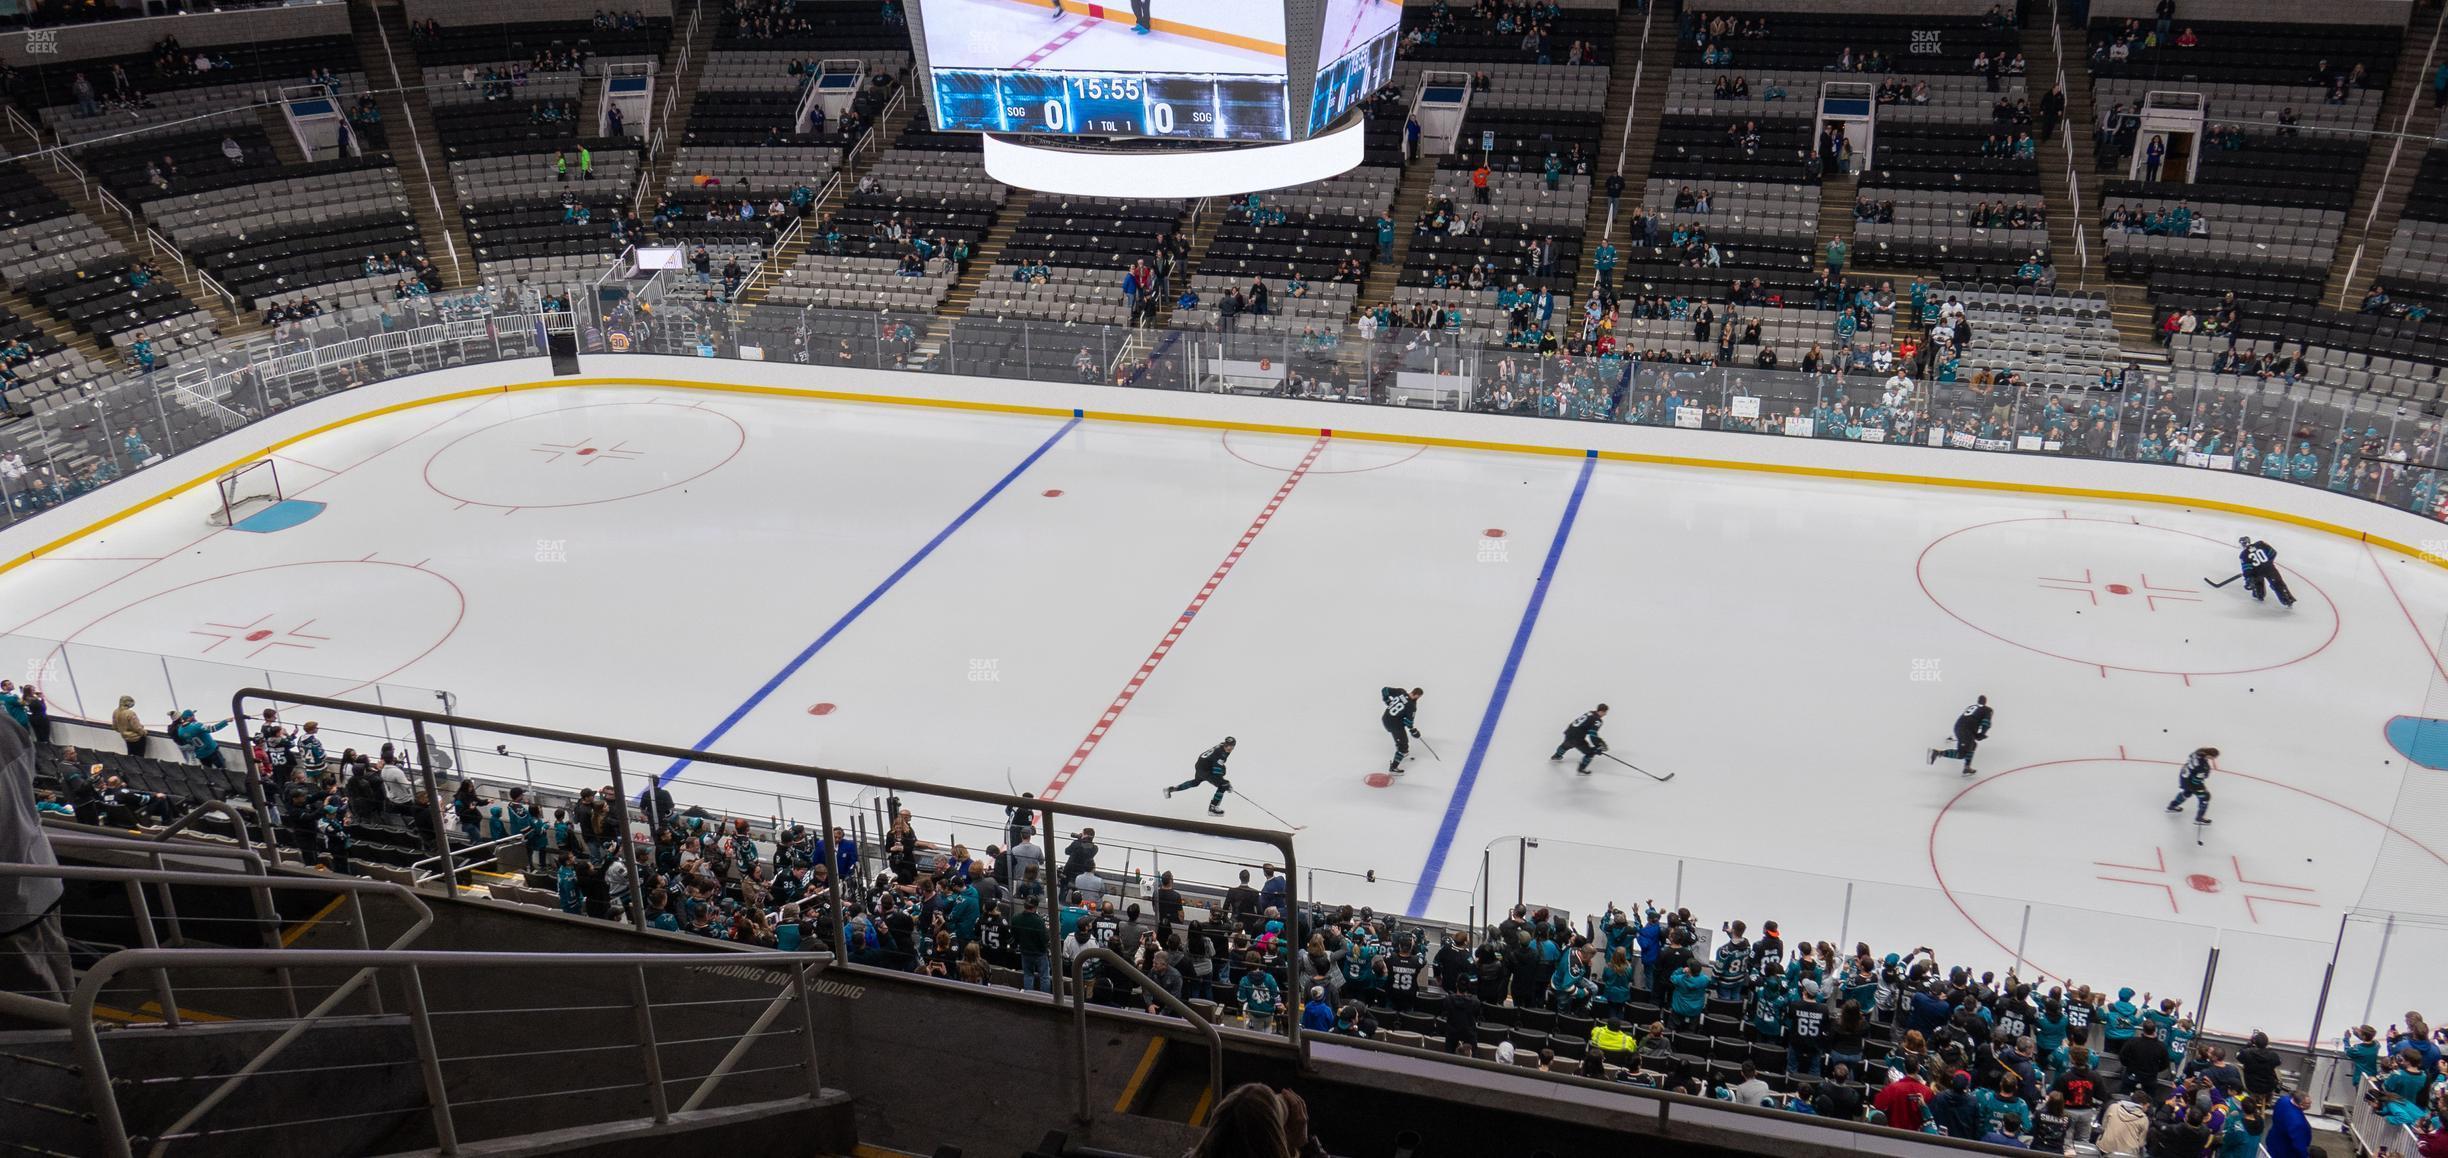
1116	169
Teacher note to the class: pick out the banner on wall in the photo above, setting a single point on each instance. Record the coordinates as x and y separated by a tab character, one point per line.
1800	427
1745	407
1687	417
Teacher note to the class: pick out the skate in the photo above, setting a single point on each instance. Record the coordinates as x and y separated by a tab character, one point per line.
1559	754
2204	819
1394	766
1583	769
1967	770
1168	793
1933	756
2177	806
1215	810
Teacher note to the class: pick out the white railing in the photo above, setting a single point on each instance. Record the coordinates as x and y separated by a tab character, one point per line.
2073	164
18	120
764	268
2405	126
1623	141
873	137
116	205
425	167
218	290
671	99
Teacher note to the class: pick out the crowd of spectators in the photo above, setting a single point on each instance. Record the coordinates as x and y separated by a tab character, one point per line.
1531	20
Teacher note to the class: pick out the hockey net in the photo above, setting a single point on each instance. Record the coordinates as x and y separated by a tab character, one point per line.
244	491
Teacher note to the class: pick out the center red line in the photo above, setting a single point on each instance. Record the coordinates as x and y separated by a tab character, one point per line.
1096	735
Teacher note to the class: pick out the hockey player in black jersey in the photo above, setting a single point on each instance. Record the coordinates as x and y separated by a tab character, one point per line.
1209	770
1971	727
1398	718
2259	562
1582	736
2194	780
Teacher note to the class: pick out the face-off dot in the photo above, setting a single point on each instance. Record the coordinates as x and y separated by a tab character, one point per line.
820	709
1380	779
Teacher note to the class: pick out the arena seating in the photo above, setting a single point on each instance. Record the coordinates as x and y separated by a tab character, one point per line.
1083	245
2271	194
1942	164
2415	267
309	230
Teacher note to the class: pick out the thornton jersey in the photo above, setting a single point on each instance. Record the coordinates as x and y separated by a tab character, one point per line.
1399	706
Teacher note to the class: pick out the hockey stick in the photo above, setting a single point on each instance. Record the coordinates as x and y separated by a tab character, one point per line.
1269	811
1638	768
1431	751
2216	583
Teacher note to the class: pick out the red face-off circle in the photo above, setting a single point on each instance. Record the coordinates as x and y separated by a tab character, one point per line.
2119	595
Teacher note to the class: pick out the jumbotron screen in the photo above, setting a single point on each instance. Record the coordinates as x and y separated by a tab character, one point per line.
1185	69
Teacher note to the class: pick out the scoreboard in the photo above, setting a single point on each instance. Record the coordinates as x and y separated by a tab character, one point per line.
1187	106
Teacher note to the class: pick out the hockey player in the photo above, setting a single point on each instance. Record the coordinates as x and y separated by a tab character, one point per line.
1398	718
1209	770
2259	562
1582	735
1971	727
2194	781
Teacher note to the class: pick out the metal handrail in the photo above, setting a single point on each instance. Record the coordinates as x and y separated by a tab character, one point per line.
156	850
417	873
2405	125
113	1127
353	889
1156	993
100	834
425	167
1780	1123
616	750
895	784
192	815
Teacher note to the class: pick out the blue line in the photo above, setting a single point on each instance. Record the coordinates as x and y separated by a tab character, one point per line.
1496	702
839	625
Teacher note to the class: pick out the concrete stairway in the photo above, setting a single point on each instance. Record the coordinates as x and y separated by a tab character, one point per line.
683	65
2059	195
989	251
1636	81
284	143
1409	200
1836	194
389	58
121	230
2389	169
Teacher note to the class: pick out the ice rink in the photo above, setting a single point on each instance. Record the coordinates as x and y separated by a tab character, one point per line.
1352	23
1084	37
1080	608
